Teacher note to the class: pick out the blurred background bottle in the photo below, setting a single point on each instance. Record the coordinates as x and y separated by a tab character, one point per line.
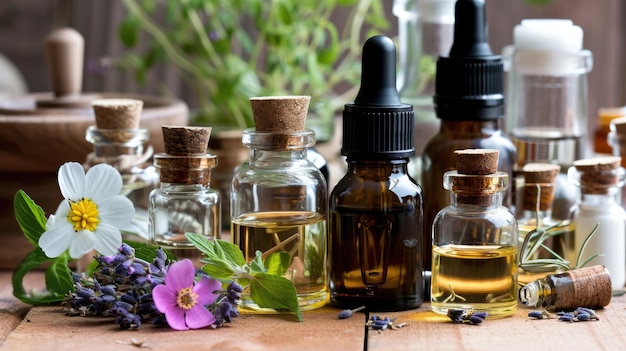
546	110
425	31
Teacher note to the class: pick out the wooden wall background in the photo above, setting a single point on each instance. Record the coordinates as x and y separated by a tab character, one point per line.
24	24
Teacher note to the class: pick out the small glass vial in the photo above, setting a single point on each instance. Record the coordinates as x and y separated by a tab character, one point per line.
536	204
184	201
376	208
474	263
598	204
616	138
279	200
584	287
118	141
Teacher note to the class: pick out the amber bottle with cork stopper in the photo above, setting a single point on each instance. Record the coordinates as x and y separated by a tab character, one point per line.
598	204
184	201
375	219
474	262
469	101
279	199
119	141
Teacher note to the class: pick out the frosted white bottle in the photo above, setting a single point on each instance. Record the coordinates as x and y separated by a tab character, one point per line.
600	180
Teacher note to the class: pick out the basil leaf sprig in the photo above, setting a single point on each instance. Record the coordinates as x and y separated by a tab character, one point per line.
225	261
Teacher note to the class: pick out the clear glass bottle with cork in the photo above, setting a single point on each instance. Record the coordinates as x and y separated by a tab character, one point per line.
616	138
119	141
598	204
474	263
469	101
279	199
535	203
375	220
184	201
588	287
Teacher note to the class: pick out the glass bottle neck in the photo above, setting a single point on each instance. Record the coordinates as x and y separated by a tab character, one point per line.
611	198
117	142
480	127
537	294
183	188
383	168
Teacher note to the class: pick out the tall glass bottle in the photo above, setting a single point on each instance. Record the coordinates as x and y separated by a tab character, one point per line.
469	101
425	31
474	262
598	204
547	99
184	201
279	200
118	141
375	219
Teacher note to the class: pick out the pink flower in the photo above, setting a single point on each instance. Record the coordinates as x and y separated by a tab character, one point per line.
182	301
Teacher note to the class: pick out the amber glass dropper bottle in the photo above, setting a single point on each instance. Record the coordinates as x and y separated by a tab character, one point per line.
375	219
469	100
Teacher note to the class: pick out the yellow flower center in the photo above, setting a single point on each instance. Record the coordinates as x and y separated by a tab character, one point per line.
83	215
186	298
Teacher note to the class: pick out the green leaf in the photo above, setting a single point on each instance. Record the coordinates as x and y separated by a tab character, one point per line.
218	270
278	293
33	260
256	265
29	216
277	263
59	276
128	31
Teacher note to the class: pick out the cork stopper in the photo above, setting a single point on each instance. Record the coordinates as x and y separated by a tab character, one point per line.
539	181
476	161
477	177
117	113
280	113
619	125
185	140
598	174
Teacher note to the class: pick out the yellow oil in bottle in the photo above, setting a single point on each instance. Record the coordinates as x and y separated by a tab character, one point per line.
478	277
292	243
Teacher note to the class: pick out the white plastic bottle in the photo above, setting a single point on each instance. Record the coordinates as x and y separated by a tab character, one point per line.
600	180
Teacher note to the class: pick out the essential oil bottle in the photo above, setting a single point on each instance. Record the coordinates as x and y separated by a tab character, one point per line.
184	201
279	200
119	141
474	263
375	221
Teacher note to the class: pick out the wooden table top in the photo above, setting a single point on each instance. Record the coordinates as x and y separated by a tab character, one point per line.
23	327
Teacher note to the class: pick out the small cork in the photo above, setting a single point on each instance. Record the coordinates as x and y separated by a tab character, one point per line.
476	161
280	113
117	113
185	140
598	174
477	180
539	180
619	125
540	172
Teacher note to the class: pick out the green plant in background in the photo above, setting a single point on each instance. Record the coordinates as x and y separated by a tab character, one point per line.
231	50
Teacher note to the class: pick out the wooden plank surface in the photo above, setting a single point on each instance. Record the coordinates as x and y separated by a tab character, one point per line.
47	328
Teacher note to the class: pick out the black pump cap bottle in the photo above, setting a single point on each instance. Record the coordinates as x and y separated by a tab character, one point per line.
377	125
469	84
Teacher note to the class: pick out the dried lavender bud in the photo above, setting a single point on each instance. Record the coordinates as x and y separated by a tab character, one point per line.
347	313
536	314
474	319
457	314
480	314
583	316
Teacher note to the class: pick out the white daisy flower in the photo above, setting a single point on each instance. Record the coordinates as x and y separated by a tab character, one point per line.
91	215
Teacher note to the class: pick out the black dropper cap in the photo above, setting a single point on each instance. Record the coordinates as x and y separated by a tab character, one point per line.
470	82
377	125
